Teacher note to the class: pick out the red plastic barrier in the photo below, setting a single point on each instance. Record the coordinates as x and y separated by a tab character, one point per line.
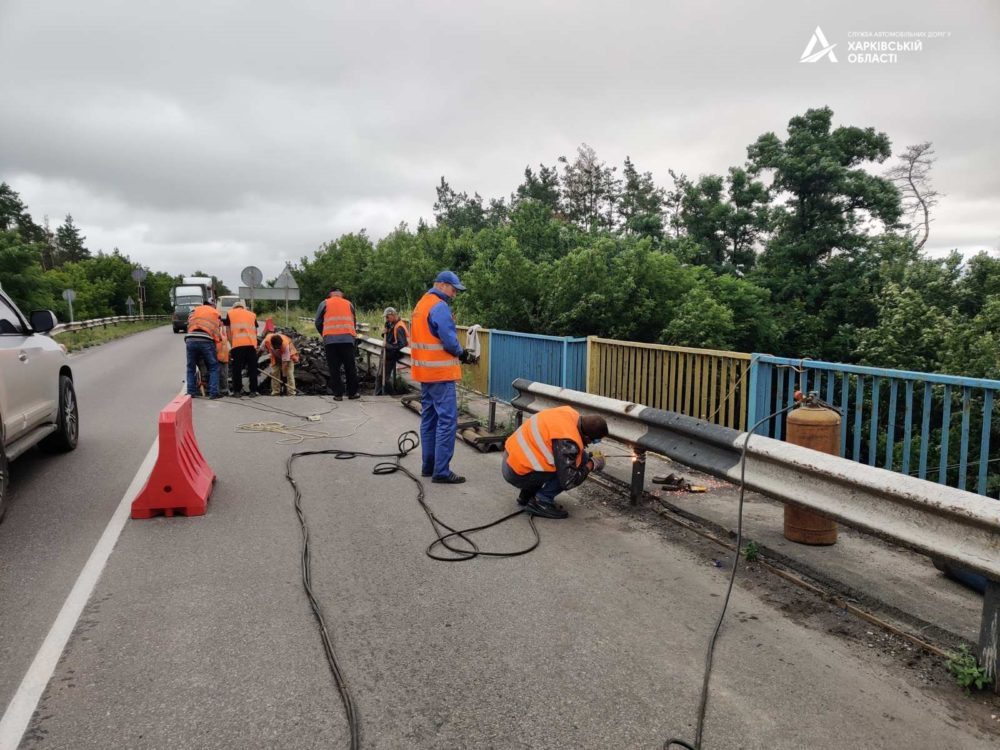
269	325
182	480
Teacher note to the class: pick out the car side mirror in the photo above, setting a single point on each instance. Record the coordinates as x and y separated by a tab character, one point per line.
43	321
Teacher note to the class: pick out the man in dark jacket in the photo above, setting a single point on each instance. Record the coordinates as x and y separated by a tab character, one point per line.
396	337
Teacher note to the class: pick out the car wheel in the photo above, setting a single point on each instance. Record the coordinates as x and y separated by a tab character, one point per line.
4	480
66	437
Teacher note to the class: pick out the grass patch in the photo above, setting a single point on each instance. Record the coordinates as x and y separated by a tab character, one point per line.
76	340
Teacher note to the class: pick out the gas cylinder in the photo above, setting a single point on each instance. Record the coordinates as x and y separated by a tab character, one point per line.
816	427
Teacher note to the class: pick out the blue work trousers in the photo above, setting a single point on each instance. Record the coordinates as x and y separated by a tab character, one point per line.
203	350
438	425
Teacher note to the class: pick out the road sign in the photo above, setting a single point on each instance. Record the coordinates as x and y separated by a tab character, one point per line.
285	280
130	304
252	276
266	292
139	275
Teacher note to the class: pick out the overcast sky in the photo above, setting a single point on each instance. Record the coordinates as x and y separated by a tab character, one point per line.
221	134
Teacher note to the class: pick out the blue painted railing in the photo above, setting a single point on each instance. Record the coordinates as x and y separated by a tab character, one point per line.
903	421
556	360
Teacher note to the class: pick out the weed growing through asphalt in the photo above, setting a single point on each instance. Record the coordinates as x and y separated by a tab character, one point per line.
966	670
751	552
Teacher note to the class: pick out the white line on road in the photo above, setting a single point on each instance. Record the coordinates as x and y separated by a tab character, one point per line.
29	692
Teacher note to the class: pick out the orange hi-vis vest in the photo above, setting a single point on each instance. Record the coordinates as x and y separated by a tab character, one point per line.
206	318
276	354
530	448
243	325
431	363
400	324
338	319
222	349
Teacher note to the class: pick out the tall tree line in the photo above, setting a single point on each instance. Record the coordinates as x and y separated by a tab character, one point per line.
811	247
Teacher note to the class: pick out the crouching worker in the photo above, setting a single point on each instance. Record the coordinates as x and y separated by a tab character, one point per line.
284	355
547	455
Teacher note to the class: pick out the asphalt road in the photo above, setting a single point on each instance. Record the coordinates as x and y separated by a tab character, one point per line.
198	634
60	504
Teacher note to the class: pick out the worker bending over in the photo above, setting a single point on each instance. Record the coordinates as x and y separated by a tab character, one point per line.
204	333
338	325
437	356
284	356
395	338
547	455
243	335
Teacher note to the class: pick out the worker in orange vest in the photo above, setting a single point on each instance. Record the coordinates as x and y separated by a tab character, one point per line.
436	357
222	351
337	323
395	337
204	332
243	336
547	455
284	357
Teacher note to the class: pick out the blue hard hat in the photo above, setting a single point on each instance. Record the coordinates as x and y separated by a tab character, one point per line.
450	277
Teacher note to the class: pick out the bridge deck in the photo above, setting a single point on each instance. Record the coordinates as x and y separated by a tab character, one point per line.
199	634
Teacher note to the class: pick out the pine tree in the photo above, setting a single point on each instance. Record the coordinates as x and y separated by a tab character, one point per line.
69	243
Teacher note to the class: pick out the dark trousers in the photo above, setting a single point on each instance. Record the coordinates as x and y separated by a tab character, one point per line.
337	356
389	373
542	484
244	358
203	351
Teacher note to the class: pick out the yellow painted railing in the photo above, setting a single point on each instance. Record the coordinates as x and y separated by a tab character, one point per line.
477	376
703	383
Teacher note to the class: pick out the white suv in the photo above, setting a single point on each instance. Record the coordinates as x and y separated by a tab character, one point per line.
37	401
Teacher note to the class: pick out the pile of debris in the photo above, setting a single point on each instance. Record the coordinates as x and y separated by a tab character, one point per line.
312	372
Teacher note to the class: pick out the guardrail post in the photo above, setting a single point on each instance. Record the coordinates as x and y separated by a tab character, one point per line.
638	476
989	634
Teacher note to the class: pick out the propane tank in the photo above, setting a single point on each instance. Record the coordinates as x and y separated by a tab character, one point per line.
817	427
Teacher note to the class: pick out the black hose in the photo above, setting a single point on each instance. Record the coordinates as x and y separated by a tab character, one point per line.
405	443
710	653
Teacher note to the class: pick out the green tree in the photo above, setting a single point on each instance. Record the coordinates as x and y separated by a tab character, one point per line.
590	190
458	211
641	204
69	243
833	203
21	274
542	188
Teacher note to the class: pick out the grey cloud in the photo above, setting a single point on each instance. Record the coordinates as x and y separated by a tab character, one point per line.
215	132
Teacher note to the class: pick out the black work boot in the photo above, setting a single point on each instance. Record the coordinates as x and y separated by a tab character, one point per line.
525	497
546	510
452	478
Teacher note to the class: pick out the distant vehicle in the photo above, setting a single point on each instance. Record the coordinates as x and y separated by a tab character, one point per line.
189	294
180	316
37	401
203	281
226	302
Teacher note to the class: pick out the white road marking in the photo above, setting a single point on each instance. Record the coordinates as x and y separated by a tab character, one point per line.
19	711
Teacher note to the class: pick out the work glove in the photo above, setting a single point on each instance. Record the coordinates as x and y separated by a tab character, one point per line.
598	461
467	358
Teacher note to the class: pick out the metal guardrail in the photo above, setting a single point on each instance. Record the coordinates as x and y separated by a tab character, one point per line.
942	522
82	325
